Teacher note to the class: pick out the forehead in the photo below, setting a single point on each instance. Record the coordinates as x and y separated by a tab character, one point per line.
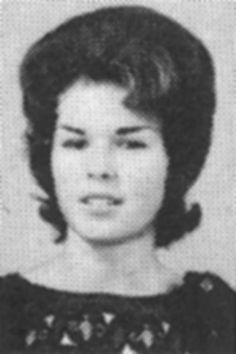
97	106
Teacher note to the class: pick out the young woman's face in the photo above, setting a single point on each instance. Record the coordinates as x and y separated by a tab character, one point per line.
109	164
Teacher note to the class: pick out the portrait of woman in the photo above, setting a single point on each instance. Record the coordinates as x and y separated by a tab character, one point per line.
119	105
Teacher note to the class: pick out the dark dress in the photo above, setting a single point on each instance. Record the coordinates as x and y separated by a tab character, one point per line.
196	317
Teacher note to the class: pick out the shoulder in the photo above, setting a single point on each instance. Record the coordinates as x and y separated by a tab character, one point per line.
210	294
21	305
207	308
10	284
213	295
17	290
208	287
14	294
13	297
207	294
17	294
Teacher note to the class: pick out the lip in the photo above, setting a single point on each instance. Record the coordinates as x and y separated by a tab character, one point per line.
113	200
96	207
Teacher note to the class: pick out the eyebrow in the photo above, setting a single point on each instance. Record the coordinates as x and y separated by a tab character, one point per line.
121	131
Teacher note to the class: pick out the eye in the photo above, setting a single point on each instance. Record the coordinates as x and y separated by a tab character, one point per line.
133	144
75	144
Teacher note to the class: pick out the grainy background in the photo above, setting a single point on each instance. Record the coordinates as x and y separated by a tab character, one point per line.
27	241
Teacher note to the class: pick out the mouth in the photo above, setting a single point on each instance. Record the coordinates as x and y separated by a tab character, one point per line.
101	200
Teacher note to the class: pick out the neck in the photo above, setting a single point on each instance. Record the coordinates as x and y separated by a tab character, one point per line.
128	256
119	266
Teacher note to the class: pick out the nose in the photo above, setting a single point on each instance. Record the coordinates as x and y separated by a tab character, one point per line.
101	164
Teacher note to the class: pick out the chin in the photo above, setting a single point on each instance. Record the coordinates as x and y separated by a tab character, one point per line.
104	237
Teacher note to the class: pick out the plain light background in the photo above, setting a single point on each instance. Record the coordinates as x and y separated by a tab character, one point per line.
26	241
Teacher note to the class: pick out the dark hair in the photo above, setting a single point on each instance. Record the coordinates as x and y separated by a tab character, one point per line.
173	81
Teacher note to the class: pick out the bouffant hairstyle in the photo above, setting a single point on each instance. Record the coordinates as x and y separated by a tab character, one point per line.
168	75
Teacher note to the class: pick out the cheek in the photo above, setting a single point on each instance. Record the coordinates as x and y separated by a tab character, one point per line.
150	191
145	180
66	173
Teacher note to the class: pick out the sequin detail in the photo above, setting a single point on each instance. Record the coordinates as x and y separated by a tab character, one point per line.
207	285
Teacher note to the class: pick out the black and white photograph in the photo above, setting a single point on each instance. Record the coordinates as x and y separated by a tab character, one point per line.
118	177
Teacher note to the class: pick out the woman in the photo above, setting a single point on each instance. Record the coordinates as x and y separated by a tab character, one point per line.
119	105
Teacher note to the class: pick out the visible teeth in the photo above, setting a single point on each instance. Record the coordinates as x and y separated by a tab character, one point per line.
96	202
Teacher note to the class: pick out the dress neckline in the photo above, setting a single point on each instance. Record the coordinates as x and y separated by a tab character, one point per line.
99	295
